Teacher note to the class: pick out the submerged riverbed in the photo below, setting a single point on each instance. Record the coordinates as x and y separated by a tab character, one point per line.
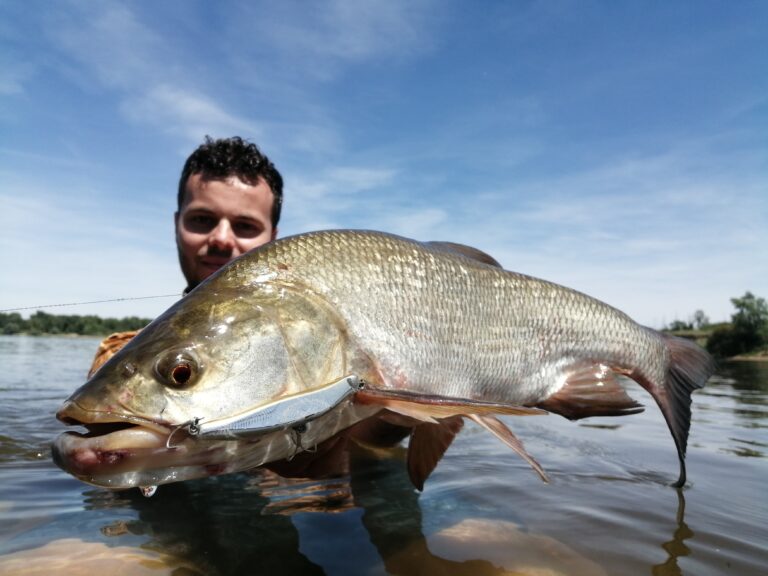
609	508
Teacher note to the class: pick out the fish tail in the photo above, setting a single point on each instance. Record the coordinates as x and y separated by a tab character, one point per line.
689	368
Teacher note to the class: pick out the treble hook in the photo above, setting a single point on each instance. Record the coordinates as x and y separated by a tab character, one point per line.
193	428
296	432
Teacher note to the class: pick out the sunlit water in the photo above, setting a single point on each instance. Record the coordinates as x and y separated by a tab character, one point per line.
608	509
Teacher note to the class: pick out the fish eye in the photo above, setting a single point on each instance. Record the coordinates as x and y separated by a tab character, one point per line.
178	368
181	373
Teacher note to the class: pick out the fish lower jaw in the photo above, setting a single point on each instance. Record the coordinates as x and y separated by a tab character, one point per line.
153	478
136	457
130	457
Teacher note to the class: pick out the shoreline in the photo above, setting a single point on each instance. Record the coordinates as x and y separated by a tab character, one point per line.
67	335
760	357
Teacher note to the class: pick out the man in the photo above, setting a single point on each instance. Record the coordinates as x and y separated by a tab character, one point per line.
229	201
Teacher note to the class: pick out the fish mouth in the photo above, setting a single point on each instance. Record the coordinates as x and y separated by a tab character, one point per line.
102	421
123	451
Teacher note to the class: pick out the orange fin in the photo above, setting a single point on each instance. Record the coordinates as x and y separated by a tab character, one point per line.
427	445
591	391
432	408
500	430
467	251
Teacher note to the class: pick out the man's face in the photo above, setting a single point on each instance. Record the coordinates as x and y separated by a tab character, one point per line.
219	220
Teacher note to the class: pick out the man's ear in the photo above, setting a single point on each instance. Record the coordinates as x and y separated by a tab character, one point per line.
274	234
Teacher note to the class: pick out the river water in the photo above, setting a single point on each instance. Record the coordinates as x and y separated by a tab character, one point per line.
609	508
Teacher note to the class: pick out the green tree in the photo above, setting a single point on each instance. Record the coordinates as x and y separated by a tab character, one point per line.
12	323
751	313
677	325
748	330
43	323
700	319
40	323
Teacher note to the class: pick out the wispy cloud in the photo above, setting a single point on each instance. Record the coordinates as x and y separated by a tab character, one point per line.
60	247
180	112
152	80
334	198
12	78
159	85
324	35
111	42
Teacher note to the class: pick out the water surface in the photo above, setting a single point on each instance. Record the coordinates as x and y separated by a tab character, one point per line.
609	508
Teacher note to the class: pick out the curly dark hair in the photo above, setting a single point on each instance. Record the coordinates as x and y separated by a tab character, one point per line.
225	157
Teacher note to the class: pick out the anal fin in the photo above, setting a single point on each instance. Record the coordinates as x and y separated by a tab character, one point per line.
593	390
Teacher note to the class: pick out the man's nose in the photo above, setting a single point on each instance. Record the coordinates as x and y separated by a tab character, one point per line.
222	235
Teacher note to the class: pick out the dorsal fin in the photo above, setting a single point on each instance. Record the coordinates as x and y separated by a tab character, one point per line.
467	251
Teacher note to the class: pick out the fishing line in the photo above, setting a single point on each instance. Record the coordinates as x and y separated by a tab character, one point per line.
91	302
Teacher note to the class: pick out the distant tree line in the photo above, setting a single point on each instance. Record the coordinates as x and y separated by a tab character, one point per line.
747	331
43	323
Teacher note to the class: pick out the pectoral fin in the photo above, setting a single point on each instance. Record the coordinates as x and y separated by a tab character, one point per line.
427	445
500	430
592	390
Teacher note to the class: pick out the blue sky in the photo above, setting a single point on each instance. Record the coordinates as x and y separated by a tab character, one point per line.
617	148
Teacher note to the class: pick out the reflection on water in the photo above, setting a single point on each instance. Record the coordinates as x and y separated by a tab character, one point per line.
75	557
608	510
676	547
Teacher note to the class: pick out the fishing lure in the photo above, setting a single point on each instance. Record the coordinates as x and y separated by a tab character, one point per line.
287	412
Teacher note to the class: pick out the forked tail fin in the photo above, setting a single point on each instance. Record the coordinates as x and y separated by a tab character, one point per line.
689	369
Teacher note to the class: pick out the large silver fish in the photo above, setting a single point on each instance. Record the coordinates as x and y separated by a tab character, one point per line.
296	342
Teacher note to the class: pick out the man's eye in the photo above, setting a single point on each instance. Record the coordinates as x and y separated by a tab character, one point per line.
200	222
247	229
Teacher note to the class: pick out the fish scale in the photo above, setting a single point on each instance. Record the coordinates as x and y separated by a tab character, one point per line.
453	326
